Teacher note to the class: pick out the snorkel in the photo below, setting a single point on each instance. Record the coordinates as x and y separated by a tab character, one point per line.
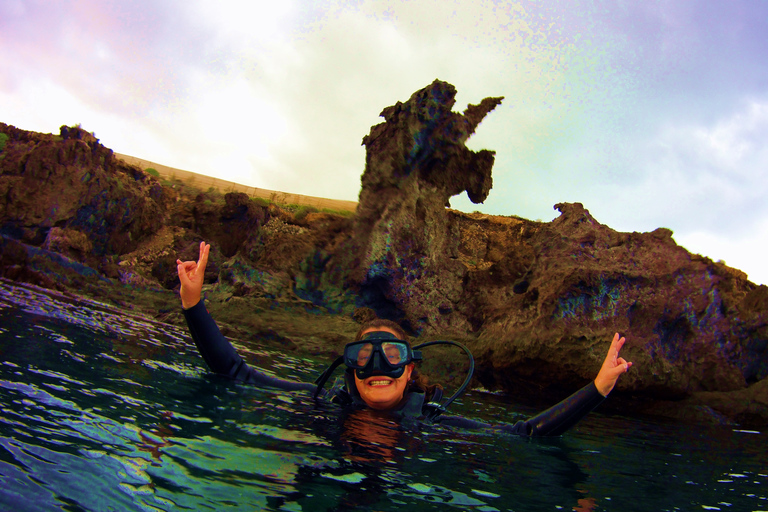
382	353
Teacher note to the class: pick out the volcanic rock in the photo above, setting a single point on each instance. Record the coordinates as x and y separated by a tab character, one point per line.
679	312
76	185
405	255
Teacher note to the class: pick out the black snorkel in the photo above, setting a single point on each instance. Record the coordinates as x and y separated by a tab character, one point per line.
434	409
378	363
323	378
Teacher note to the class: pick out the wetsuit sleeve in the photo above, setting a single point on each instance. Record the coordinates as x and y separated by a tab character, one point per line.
556	420
552	422
222	358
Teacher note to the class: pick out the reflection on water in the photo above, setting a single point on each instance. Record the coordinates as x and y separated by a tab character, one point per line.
104	411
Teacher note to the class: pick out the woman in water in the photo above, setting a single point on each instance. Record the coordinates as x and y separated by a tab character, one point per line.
380	369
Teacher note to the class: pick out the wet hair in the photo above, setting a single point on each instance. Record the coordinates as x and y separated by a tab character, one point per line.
418	382
380	323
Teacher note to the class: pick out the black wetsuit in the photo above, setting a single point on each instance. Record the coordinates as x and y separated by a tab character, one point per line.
222	358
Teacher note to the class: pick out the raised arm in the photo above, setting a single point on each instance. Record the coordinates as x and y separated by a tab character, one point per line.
218	353
559	418
556	420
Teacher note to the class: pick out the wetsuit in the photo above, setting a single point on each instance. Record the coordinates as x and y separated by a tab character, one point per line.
222	358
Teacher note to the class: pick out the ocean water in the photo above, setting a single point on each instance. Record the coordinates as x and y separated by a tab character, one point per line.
106	411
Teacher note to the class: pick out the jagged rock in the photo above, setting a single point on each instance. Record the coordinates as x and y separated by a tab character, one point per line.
74	183
24	263
364	315
228	227
404	259
585	282
69	242
756	301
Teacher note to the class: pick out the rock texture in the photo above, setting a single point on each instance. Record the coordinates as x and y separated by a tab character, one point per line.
70	193
405	250
536	302
545	310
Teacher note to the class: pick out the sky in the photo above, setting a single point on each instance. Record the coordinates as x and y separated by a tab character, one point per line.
650	113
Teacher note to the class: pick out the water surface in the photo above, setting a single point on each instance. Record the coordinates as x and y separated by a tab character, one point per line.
107	411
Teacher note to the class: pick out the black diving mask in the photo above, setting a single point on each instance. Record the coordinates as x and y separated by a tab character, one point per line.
379	353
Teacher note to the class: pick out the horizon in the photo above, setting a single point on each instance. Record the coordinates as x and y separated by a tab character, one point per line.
313	197
287	195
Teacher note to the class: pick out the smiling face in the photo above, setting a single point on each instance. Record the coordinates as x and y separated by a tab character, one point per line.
381	392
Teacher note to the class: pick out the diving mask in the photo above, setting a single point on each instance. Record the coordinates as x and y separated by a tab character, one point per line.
379	353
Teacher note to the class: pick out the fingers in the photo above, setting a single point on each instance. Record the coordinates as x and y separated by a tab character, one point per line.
613	367
613	360
186	265
622	365
191	276
620	360
195	266
616	344
182	269
203	261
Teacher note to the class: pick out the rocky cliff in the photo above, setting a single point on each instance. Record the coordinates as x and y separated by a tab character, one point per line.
537	302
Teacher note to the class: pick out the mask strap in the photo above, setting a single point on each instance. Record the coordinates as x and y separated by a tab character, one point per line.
323	378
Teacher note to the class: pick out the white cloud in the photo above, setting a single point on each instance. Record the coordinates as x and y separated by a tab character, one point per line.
691	177
746	253
279	95
43	106
243	25
736	145
708	183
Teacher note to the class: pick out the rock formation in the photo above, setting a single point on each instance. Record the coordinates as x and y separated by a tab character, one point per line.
692	325
70	193
406	250
536	302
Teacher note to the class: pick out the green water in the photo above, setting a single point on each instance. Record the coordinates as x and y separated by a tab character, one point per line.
103	411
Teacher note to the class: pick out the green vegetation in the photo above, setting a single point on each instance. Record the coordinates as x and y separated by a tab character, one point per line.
302	211
214	194
343	213
152	172
3	140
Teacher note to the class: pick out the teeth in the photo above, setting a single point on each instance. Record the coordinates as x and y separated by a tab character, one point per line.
379	383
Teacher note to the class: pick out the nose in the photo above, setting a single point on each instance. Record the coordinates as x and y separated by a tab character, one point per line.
376	363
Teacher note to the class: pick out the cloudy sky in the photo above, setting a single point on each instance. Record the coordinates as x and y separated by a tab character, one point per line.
650	113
